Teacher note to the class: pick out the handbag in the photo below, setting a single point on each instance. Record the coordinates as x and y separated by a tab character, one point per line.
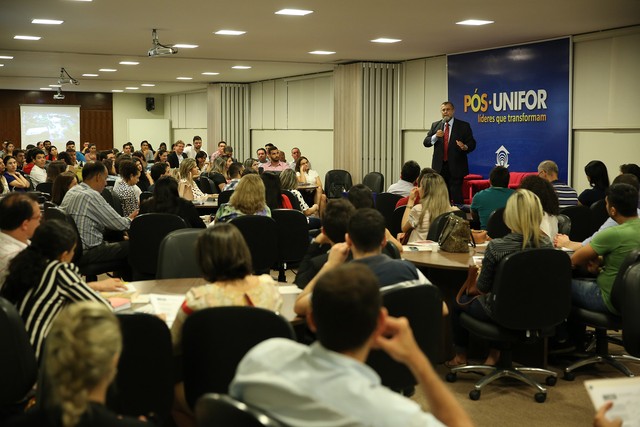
456	235
469	287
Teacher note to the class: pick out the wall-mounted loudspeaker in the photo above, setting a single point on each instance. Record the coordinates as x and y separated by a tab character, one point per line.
151	103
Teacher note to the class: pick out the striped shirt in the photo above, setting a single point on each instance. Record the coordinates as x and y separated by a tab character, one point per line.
60	286
567	196
92	215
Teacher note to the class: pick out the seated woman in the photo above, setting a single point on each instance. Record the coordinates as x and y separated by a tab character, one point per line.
306	175
247	199
15	180
549	201
251	163
4	187
147	152
434	201
63	183
290	183
126	187
202	161
145	180
187	187
52	153
42	282
161	156
166	200
219	173
598	177
273	192
81	361
522	215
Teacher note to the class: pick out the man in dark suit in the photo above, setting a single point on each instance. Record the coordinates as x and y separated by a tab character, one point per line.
452	140
177	155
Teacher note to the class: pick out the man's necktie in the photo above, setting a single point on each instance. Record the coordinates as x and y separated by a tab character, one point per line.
446	142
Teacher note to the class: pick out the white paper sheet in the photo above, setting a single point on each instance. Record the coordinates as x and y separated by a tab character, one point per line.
167	305
623	392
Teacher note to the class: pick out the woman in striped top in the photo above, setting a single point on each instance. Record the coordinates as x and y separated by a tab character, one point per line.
522	215
41	282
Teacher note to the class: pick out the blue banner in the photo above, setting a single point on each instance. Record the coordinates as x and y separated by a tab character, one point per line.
517	102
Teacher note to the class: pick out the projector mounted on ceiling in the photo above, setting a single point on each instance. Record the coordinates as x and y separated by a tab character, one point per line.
58	95
159	49
66	79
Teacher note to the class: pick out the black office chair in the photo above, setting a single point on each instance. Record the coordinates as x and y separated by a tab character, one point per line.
629	317
214	410
386	205
295	203
144	383
18	367
145	195
391	251
336	182
113	199
224	197
395	225
580	217
496	228
214	340
261	235
599	214
45	187
564	224
177	255
293	239
375	182
437	225
145	235
528	302
206	185
422	306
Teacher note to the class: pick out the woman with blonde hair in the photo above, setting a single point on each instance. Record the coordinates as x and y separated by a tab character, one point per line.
289	182
434	201
247	199
219	172
81	359
187	187
522	215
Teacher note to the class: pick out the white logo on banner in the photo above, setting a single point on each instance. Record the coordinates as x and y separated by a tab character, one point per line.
502	157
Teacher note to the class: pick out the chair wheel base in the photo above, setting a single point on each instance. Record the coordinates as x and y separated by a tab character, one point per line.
474	394
451	377
569	376
551	380
540	397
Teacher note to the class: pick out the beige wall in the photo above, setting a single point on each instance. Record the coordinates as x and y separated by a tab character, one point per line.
132	106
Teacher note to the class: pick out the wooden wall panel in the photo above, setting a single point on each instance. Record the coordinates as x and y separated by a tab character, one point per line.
96	114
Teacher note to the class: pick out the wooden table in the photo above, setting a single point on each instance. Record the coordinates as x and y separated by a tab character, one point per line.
443	260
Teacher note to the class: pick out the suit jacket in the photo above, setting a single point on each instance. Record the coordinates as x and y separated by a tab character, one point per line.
461	131
172	158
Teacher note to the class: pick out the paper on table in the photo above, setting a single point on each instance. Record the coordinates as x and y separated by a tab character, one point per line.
130	292
623	392
417	248
167	305
289	289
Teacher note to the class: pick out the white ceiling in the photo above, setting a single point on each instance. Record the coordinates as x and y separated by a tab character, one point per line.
101	33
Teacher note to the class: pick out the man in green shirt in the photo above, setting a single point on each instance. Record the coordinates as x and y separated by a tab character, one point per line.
606	251
494	197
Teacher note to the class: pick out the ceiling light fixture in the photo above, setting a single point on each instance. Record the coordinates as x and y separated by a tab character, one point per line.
147	84
474	22
184	78
210	73
128	63
6	57
45	88
294	12
386	40
230	33
241	67
90	75
108	70
46	21
132	88
65	78
55	85
159	49
186	46
27	37
322	52
117	90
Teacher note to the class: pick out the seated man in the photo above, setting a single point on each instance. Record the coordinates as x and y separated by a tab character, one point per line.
364	240
408	176
328	381
494	197
613	245
93	215
19	218
567	196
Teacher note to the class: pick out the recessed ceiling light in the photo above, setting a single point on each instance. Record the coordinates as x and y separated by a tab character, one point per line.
55	85
1	65
129	63
147	84
186	46
184	78
385	40
27	37
6	57
241	67
90	75
108	70
46	88
229	33
117	90
474	22
322	52
294	12
132	88
47	21
209	73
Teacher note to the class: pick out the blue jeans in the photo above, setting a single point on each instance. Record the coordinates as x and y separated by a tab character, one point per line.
586	293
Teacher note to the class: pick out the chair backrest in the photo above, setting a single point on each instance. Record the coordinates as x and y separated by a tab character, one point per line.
599	214
144	383
55	212
293	234
261	235
113	199
386	204
214	340
617	289
422	306
375	182
206	185
437	225
145	195
564	224
177	255
336	182
214	410
391	251
532	289
45	187
18	367
295	203
631	310
395	225
496	227
580	222
145	234
224	197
